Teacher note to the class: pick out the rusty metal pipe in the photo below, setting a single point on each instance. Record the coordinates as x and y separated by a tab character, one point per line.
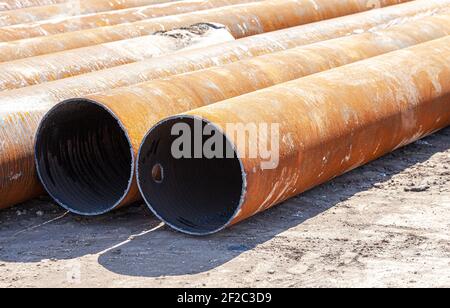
21	110
17	118
18	24
30	71
6	5
241	20
82	189
35	70
329	123
62	9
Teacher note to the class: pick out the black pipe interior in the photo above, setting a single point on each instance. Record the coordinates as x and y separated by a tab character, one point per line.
84	157
197	196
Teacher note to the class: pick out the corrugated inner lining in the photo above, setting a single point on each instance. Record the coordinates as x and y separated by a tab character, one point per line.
197	196
84	157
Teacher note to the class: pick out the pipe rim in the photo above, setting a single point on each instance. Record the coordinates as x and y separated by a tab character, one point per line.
152	208
118	203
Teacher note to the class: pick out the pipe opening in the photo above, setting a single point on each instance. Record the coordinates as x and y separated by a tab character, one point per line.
198	196
84	157
158	173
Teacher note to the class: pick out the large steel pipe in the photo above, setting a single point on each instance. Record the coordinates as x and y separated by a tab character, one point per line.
22	109
241	20
72	137
18	117
19	24
35	70
325	125
54	9
6	5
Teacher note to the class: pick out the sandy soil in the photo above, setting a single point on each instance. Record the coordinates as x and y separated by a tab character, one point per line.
384	225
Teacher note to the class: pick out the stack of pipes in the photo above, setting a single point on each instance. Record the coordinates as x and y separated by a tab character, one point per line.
93	102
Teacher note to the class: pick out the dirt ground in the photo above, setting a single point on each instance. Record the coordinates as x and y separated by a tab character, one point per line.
384	225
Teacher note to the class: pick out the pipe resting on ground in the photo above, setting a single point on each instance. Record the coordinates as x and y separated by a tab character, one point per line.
147	103
22	109
328	124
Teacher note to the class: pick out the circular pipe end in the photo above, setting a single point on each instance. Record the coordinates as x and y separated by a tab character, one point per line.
84	157
184	185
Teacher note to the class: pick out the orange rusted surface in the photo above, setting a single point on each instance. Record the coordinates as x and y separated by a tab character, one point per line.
149	102
62	9
28	105
35	70
18	25
241	20
18	118
17	183
6	5
331	123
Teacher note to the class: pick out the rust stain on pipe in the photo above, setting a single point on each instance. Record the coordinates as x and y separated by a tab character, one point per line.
329	123
6	5
28	105
17	184
147	103
241	20
18	25
35	70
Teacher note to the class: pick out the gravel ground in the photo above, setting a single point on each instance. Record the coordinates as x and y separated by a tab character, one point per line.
386	224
